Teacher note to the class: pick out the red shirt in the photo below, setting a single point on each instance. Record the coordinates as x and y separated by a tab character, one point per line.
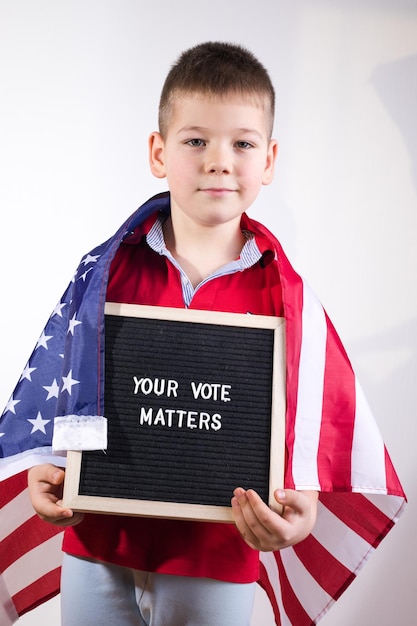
139	275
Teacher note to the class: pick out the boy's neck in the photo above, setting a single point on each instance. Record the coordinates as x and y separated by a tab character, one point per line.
201	250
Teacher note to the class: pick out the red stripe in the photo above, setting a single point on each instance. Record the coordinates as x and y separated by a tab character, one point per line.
11	487
29	535
266	584
328	572
292	606
38	592
338	416
292	297
359	514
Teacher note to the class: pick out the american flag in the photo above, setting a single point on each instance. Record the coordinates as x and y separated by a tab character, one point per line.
333	445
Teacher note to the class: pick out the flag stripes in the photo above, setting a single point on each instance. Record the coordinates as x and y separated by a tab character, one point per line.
36	563
307	424
315	557
365	519
333	445
340	542
270	581
29	598
292	603
30	555
337	426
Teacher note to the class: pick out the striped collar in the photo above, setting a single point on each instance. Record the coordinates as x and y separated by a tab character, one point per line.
249	256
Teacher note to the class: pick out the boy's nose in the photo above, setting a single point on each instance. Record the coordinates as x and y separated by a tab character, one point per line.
218	161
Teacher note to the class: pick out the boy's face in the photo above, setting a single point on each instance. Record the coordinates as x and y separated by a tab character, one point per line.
216	156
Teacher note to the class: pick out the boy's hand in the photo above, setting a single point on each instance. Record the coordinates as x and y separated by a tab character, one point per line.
45	484
264	529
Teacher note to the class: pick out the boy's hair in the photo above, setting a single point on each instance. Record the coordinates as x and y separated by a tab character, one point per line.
217	69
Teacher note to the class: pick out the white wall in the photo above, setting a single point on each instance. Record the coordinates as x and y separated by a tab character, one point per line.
79	86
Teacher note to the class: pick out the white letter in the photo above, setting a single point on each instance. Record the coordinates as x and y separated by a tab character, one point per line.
145	416
172	386
206	391
181	414
225	393
146	386
196	389
169	413
216	421
215	388
159	390
204	420
191	415
159	418
137	383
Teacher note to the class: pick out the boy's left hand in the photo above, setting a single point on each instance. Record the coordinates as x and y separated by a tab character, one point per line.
264	529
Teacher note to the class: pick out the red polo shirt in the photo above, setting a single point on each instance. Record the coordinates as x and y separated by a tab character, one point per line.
139	275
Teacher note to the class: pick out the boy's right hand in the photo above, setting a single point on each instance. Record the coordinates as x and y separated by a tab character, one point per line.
46	484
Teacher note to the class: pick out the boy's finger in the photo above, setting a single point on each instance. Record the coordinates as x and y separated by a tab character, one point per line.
46	473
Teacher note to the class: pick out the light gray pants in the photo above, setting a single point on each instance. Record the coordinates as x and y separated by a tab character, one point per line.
100	593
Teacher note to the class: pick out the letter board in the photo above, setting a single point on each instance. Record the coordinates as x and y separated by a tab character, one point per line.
195	403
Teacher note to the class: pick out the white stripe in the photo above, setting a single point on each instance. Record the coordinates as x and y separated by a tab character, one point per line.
391	506
8	613
310	392
12	465
34	564
271	567
368	452
338	539
309	593
15	513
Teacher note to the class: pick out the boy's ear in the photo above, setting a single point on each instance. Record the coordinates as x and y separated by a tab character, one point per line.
270	162
156	155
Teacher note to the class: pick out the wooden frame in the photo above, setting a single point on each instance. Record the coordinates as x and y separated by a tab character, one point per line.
183	510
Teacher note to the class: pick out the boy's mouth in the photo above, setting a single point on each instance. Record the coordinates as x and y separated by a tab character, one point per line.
218	191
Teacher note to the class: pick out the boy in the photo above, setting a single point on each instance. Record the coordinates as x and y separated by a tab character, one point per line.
195	247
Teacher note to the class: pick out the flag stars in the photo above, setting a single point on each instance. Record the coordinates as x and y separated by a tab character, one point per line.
27	373
58	309
53	390
72	324
10	406
69	382
43	341
38	424
90	258
84	276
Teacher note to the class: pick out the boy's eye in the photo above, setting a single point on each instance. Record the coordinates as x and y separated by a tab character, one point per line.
195	143
244	145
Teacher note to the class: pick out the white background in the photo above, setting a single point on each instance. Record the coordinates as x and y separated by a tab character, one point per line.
79	88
